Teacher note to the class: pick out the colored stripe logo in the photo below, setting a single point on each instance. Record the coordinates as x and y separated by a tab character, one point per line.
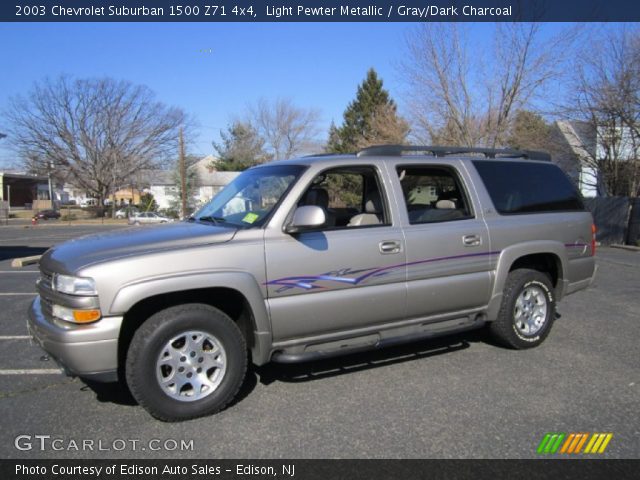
573	443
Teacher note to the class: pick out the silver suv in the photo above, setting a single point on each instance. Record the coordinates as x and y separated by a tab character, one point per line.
304	259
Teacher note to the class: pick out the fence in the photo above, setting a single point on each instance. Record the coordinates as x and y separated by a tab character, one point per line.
617	219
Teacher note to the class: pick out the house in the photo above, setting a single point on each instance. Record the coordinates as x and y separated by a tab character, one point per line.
209	181
577	160
22	190
162	184
588	147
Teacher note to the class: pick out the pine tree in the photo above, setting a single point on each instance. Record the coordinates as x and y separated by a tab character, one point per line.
241	148
529	131
369	119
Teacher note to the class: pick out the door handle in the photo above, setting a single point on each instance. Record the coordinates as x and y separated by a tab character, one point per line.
390	246
471	240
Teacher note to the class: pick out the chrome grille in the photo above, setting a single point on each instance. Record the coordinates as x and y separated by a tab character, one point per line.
45	284
46	279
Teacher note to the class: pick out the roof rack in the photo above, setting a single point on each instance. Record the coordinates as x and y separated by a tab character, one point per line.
321	155
438	151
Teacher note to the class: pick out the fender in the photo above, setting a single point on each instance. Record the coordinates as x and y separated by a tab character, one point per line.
243	282
510	254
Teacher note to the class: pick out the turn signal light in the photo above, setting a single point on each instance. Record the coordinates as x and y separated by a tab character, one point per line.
86	316
593	239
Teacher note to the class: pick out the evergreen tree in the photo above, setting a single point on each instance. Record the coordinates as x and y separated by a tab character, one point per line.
148	203
369	119
240	149
529	131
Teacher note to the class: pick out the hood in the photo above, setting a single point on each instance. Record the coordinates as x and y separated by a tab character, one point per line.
70	256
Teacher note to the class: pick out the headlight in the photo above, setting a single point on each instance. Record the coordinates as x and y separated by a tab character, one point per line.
74	285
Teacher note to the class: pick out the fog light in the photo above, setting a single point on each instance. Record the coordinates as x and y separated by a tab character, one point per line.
75	316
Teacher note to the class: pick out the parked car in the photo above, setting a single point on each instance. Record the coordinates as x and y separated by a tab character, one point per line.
327	255
147	217
47	214
127	212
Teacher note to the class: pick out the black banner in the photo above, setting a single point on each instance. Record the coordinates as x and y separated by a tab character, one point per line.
319	11
317	469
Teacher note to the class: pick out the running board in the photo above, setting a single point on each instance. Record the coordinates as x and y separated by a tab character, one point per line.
367	343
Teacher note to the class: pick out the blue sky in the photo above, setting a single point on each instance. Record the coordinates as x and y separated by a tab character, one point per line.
315	64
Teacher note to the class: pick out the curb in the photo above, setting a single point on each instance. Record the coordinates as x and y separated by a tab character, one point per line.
630	248
24	261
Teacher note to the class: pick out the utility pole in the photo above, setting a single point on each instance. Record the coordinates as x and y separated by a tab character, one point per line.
50	165
182	162
8	201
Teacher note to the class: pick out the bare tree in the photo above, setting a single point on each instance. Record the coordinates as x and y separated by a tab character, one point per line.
97	132
287	129
605	104
465	96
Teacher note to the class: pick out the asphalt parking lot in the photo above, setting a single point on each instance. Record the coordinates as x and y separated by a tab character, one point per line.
456	397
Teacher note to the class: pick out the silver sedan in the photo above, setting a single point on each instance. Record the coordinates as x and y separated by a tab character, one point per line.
147	217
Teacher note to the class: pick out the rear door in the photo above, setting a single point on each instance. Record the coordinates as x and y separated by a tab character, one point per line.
447	241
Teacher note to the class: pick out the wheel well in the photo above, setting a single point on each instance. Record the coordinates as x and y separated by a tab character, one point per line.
228	300
543	262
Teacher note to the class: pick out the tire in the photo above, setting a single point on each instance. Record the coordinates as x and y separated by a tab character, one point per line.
527	311
202	341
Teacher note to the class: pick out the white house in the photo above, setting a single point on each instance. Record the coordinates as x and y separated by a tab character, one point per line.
162	183
588	146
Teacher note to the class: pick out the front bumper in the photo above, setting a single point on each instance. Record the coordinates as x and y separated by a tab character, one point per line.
89	351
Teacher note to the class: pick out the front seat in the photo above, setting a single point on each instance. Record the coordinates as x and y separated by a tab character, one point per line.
372	212
320	198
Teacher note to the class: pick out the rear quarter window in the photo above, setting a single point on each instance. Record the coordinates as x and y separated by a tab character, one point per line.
528	187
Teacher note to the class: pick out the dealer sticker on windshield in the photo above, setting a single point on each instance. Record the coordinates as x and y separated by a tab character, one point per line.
250	217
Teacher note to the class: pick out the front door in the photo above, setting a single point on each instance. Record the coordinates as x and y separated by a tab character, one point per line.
348	274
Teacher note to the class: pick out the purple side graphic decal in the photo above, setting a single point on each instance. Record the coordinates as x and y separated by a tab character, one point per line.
355	277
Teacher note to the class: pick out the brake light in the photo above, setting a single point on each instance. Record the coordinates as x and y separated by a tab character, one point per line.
593	239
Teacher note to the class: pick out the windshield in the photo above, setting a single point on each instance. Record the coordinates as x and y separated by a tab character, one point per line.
251	197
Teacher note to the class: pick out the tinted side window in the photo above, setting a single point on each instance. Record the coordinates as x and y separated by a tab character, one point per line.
432	194
528	187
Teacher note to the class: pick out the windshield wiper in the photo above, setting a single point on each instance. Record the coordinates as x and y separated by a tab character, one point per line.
211	219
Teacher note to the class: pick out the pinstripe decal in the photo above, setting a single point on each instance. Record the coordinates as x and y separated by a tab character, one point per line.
356	277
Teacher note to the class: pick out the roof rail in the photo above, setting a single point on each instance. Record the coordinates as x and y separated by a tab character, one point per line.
438	151
321	155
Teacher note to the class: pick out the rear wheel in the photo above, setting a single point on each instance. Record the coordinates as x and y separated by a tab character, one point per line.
527	311
185	362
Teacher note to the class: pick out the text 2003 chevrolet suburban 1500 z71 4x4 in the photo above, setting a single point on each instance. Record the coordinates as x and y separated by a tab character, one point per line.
302	259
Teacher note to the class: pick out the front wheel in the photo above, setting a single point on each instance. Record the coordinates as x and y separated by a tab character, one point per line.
527	311
185	362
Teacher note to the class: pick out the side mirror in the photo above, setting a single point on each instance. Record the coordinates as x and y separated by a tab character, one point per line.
306	218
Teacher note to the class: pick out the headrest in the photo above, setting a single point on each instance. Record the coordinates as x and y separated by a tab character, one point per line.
318	197
445	205
373	203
